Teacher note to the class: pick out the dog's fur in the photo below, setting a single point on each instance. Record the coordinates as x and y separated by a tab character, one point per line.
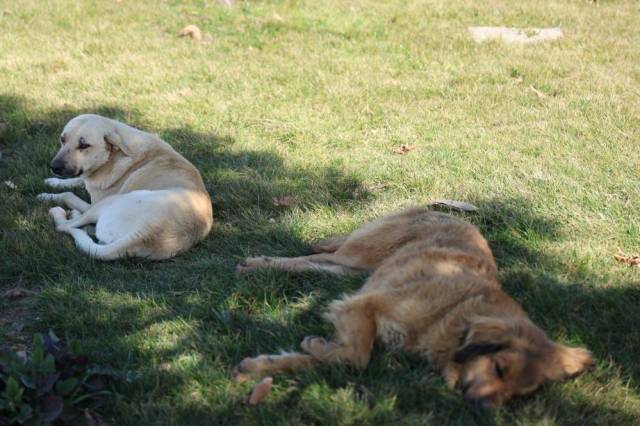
146	199
433	291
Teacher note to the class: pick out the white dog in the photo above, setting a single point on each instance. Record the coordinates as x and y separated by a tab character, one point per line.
146	199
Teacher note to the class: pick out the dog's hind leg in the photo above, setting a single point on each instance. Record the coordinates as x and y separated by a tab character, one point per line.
68	198
315	262
329	245
63	224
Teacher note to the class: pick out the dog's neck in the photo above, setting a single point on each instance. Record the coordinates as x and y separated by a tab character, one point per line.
107	175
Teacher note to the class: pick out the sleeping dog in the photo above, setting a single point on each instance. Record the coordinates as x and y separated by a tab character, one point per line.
433	291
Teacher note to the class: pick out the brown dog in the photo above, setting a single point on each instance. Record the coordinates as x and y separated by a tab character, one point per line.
433	291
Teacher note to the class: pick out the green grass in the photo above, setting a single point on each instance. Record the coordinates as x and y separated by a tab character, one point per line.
312	107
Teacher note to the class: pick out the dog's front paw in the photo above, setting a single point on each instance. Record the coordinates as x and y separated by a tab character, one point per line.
45	197
52	182
253	263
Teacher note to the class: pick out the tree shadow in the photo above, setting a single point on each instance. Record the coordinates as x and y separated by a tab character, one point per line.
114	307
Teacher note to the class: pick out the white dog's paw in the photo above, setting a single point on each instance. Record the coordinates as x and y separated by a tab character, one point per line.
46	197
73	214
58	213
52	182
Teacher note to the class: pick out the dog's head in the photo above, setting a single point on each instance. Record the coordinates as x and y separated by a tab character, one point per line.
87	143
505	357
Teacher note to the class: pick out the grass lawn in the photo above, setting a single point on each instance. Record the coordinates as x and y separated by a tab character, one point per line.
312	106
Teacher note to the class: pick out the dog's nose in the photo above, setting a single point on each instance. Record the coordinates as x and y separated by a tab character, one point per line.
57	167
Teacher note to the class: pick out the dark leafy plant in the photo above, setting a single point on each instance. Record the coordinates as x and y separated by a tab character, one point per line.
54	384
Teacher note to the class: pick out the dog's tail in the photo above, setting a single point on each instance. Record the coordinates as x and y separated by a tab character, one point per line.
111	251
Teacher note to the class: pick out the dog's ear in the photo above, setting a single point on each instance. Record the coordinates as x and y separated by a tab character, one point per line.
475	349
562	362
116	142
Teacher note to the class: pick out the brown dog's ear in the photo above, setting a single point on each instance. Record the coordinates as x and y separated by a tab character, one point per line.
116	143
563	362
476	349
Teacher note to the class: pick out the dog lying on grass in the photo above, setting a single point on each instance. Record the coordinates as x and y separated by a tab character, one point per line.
433	290
146	199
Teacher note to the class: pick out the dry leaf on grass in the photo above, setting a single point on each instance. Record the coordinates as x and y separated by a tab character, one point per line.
631	259
185	92
539	93
17	292
7	12
282	200
403	149
191	31
260	390
21	351
456	205
519	79
10	184
277	17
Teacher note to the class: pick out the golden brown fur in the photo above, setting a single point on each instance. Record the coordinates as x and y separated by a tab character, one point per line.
433	290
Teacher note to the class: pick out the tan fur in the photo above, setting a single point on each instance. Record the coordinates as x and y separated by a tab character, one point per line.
161	205
433	290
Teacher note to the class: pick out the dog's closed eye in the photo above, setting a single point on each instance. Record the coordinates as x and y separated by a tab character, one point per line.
83	144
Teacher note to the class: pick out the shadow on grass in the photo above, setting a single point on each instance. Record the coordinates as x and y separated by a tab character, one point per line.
273	310
150	313
242	184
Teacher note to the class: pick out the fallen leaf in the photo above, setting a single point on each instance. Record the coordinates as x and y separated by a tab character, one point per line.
456	205
540	94
118	1
7	12
19	348
10	184
227	3
277	17
403	149
191	31
21	352
17	292
260	390
282	200
185	92
520	79
631	260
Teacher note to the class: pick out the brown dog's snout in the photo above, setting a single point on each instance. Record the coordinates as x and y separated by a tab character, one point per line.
57	167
